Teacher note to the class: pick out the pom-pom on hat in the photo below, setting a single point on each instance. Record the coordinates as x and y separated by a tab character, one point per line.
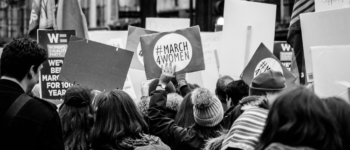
268	81
207	108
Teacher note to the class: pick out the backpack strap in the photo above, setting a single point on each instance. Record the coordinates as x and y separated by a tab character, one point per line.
14	108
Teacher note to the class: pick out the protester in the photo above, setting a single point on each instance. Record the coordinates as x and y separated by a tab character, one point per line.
207	111
220	90
235	91
119	124
340	110
34	125
299	120
76	115
184	117
246	129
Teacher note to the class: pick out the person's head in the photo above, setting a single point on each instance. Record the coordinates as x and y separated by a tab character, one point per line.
208	113
76	116
116	117
299	118
267	82
170	88
221	85
235	91
184	117
340	110
22	60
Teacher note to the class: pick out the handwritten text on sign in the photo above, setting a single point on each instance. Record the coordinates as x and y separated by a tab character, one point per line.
166	24
177	51
322	5
266	65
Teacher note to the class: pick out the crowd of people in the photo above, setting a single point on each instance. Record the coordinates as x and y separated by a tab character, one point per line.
173	113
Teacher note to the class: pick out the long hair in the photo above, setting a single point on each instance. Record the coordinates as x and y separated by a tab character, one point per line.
184	117
117	117
77	120
299	118
340	110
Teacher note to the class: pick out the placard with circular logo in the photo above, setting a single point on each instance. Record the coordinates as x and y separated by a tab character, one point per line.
182	48
133	44
266	65
173	48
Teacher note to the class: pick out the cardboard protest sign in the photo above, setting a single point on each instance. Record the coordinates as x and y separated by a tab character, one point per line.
167	24
208	77
263	60
284	52
324	28
56	43
182	48
322	5
331	73
99	66
137	77
113	38
247	25
129	88
133	44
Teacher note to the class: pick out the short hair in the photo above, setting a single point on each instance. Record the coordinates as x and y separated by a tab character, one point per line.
19	55
299	114
340	110
236	90
221	85
117	117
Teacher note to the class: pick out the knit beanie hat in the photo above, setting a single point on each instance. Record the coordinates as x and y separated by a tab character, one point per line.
268	81
207	108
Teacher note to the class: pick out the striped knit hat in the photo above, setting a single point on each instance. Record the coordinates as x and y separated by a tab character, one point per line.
207	109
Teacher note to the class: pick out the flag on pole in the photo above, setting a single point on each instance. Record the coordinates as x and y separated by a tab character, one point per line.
71	17
42	17
294	35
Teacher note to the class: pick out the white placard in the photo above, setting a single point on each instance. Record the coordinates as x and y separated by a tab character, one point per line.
322	5
324	28
331	73
167	24
109	37
247	25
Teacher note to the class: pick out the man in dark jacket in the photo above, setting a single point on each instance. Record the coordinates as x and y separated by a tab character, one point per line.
37	125
208	114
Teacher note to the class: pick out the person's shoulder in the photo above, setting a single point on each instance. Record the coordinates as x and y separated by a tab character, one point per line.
43	105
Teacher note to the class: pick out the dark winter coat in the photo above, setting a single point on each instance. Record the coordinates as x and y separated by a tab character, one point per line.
37	125
177	138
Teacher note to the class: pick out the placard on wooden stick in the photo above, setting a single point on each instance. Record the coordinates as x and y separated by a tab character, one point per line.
99	66
247	25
